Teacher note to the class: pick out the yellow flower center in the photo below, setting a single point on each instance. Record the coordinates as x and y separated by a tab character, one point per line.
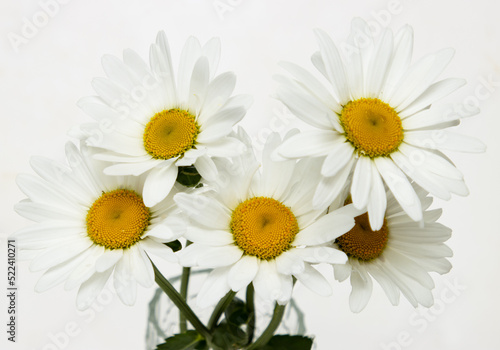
263	227
372	127
170	134
361	242
117	219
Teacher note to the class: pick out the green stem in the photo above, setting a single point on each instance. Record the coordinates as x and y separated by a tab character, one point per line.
251	312
219	309
181	304
184	291
279	310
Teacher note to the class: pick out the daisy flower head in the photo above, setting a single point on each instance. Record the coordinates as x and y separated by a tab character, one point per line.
399	256
374	123
260	228
91	226
150	121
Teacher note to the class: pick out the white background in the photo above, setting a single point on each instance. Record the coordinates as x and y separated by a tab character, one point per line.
42	78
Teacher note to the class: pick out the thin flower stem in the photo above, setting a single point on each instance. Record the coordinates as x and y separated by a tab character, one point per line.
251	312
219	309
184	291
279	311
181	304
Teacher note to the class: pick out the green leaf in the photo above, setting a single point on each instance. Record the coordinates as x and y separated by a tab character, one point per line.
229	336
237	312
288	342
175	245
190	340
188	176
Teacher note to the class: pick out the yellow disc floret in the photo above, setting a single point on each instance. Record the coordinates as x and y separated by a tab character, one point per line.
117	219
263	227
361	242
372	127
170	134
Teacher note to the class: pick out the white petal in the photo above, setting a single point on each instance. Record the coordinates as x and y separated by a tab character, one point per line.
199	83
340	154
342	271
289	263
59	273
309	144
377	202
379	64
361	182
218	92
334	66
135	169
60	253
312	84
325	229
158	184
225	147
433	93
362	286
305	106
204	210
206	168
220	256
108	259
243	272
330	187
142	270
314	280
125	285
214	288
209	237
163	251
400	187
91	288
441	139
321	254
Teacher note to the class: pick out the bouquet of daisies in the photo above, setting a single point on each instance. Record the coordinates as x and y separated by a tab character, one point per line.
163	173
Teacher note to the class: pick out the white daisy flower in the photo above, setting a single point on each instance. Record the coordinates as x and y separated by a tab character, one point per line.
374	121
149	123
90	225
398	256
260	227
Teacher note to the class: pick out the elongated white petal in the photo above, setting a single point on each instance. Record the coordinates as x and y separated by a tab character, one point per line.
361	292
361	182
91	288
204	210
334	66
314	280
209	237
158	184
243	272
220	256
377	202
400	187
214	288
444	140
325	229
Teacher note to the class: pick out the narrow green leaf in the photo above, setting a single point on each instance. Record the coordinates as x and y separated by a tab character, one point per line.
288	342
237	312
190	340
229	336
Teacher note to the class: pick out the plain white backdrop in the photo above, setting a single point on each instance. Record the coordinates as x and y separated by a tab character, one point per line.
49	54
